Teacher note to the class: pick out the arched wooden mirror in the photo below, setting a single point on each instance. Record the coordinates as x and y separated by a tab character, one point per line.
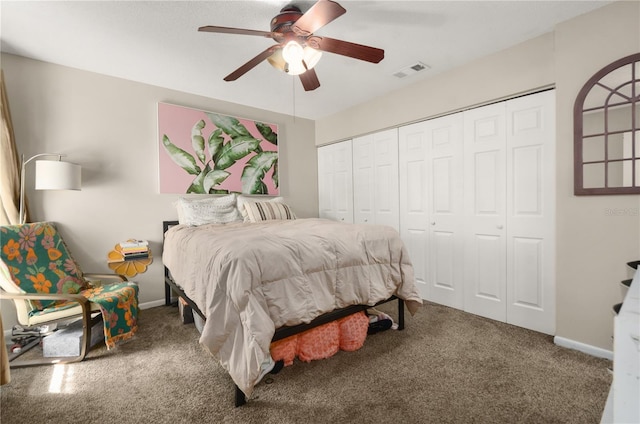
606	118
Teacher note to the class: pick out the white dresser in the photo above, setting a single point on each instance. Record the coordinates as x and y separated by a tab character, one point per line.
623	404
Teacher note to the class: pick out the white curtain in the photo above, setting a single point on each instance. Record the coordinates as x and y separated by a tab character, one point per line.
9	165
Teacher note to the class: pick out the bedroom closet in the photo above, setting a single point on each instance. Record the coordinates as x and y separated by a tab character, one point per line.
476	205
375	179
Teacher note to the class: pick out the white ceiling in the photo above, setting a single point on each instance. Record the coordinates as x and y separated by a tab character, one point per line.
157	42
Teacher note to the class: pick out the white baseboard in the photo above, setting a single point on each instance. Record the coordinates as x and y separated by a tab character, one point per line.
582	347
153	304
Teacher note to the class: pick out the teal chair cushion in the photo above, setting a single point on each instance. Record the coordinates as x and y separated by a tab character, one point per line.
39	261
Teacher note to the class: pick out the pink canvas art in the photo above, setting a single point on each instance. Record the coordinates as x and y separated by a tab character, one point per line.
208	153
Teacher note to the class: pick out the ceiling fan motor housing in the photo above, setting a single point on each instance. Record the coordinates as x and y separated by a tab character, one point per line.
281	24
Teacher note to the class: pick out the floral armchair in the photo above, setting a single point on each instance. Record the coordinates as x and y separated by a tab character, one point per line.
47	285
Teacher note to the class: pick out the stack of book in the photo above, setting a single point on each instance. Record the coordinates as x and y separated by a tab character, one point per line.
134	249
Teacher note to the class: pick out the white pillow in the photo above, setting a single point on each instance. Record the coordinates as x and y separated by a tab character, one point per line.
264	211
209	210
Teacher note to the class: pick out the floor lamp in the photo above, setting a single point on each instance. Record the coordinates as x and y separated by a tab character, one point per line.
50	175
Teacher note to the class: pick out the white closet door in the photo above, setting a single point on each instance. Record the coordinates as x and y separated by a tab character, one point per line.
326	208
363	183
414	194
343	181
485	212
386	178
530	212
446	215
335	181
431	206
375	178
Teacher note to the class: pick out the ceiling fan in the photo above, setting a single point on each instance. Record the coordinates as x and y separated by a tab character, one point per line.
298	49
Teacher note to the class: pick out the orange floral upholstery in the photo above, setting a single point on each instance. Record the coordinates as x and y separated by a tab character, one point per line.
39	262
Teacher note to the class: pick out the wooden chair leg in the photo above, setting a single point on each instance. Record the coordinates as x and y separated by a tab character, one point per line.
87	323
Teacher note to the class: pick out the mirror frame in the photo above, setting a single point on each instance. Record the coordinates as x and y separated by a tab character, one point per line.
578	134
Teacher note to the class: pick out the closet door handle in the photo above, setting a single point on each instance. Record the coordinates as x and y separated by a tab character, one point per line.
433	223
499	227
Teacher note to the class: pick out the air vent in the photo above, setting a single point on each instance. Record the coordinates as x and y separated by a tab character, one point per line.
411	70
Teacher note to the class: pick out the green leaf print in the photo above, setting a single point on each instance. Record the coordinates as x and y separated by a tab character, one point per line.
229	124
255	170
197	140
183	159
197	186
215	144
214	178
236	149
267	133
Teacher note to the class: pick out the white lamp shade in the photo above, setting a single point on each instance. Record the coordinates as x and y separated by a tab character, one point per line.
57	175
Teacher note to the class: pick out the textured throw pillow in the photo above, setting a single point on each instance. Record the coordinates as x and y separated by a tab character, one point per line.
210	210
242	199
264	211
285	350
353	331
319	343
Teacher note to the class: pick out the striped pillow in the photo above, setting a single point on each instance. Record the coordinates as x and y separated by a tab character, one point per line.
263	211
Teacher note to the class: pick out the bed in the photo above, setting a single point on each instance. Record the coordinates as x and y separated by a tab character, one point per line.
258	281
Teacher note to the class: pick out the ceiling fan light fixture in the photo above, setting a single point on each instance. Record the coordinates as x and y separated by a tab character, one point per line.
310	58
293	52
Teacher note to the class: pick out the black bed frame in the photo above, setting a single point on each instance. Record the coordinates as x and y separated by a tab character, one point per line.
282	332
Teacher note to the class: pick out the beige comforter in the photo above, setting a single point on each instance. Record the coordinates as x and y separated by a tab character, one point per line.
251	278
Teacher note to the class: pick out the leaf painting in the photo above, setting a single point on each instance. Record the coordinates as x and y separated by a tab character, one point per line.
210	153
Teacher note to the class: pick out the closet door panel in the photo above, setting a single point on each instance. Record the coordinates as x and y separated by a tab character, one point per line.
363	172
413	189
325	183
446	239
530	212
485	214
527	273
343	182
335	182
386	178
375	176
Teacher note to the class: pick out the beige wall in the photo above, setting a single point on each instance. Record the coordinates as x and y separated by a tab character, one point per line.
109	126
520	69
596	235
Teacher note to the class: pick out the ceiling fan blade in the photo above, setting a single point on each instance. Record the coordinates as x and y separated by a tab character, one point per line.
320	14
309	80
226	30
250	64
345	48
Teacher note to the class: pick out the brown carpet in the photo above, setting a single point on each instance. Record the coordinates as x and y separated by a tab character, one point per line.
447	366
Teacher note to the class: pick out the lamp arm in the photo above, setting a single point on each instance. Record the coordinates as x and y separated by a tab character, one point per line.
22	178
